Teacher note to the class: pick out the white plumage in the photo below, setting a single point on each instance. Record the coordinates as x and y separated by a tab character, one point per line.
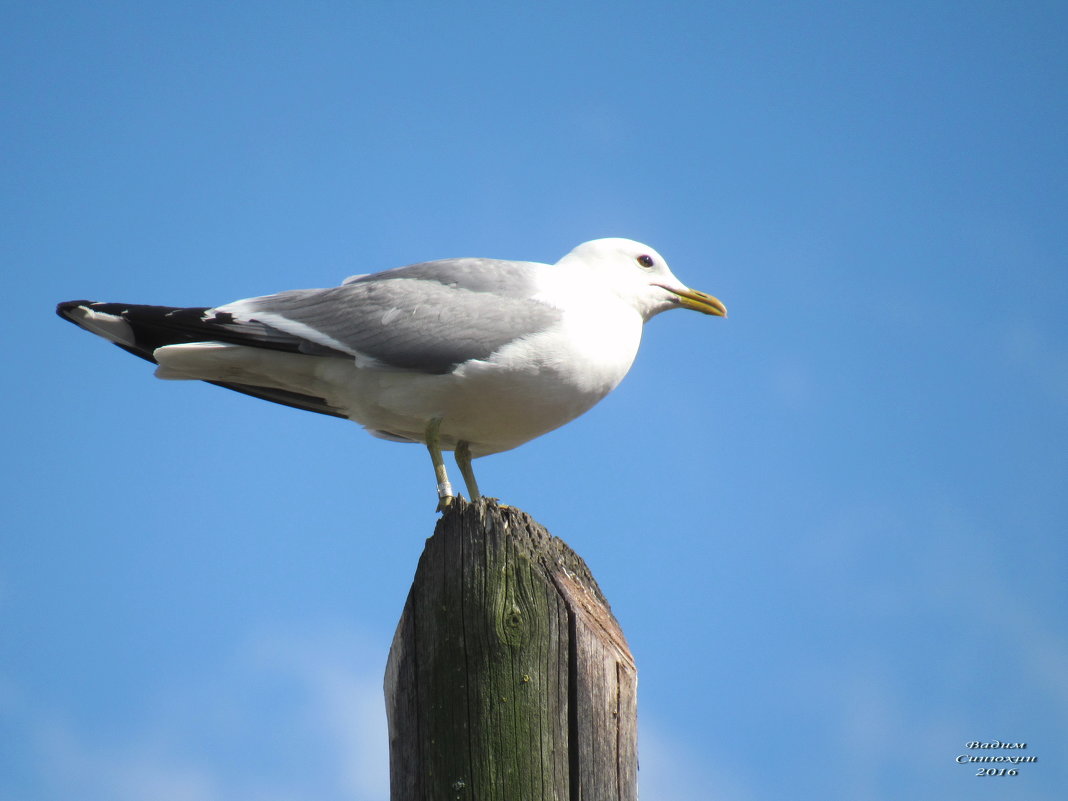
472	355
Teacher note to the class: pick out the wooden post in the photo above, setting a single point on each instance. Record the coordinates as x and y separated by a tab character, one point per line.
509	678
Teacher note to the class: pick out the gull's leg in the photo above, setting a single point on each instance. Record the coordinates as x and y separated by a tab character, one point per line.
434	446
463	461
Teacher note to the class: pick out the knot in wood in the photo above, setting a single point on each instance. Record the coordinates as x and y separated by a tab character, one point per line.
512	625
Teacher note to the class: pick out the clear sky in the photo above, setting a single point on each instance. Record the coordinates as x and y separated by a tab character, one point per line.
832	526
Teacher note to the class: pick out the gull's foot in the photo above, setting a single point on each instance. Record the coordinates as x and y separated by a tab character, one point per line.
444	502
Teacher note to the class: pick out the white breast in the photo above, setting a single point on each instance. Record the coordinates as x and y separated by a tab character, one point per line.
527	388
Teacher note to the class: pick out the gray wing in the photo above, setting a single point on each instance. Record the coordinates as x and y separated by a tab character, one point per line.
428	317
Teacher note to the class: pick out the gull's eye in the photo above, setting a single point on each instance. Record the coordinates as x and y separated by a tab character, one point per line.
645	260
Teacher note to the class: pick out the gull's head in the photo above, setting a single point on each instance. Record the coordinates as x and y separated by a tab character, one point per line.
640	276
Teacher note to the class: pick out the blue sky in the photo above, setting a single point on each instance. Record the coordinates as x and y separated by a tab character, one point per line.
832	526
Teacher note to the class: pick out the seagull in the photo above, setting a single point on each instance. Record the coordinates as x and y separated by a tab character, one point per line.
469	355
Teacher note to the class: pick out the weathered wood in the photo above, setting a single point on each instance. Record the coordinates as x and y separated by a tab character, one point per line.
509	678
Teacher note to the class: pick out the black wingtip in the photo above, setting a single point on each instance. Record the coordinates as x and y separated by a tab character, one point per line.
63	309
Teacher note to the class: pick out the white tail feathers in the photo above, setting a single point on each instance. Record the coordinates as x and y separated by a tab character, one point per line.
238	364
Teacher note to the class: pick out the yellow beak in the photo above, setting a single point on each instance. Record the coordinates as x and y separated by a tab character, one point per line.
699	301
